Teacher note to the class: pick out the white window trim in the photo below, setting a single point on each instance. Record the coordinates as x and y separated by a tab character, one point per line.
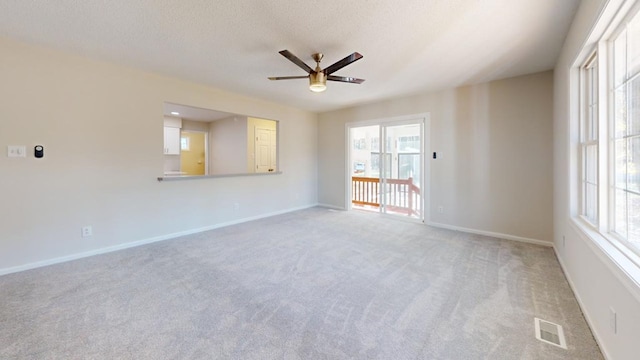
591	59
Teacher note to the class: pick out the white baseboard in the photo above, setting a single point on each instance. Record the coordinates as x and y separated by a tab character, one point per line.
328	206
492	234
128	245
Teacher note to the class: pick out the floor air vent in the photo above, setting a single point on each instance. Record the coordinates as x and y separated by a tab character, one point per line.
550	333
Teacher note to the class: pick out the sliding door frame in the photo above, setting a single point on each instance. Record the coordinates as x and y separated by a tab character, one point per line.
425	179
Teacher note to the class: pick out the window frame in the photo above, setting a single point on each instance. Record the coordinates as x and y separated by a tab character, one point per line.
626	254
623	242
587	91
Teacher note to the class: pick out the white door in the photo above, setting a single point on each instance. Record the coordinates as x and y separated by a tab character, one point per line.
265	150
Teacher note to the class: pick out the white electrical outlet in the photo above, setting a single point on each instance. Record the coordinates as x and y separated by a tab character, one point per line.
441	209
236	206
87	231
613	320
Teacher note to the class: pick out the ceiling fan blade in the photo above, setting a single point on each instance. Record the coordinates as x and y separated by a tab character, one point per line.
296	60
288	77
346	79
342	63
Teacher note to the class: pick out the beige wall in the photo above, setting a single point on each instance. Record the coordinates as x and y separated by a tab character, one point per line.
195	125
495	172
102	129
228	145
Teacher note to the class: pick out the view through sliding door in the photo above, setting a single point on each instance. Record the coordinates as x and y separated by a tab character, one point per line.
387	168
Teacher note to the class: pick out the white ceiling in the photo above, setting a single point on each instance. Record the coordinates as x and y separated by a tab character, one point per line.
409	46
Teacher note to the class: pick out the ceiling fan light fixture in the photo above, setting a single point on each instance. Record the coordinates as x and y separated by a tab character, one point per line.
317	81
318	77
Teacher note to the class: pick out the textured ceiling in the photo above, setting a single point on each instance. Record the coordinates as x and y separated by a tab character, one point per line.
409	46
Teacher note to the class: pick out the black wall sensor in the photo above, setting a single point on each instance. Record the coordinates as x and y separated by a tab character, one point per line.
38	151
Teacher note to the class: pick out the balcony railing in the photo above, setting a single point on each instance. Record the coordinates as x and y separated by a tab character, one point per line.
399	195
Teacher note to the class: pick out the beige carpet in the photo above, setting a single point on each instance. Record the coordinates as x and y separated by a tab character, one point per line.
313	284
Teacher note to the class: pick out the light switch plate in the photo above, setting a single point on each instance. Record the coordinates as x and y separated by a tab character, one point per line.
16	151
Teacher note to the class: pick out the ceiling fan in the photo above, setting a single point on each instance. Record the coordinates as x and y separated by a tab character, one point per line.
318	77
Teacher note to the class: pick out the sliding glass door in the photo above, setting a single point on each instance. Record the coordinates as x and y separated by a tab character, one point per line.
386	165
401	178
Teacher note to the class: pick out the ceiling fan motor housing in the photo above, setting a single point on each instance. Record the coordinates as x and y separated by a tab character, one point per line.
317	81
